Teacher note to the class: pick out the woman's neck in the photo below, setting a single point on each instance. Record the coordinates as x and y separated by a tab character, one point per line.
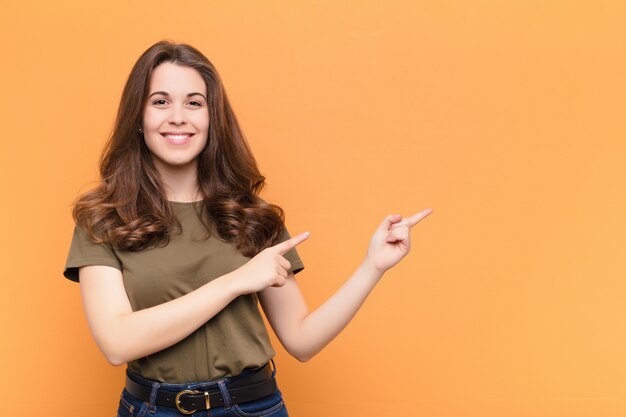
180	183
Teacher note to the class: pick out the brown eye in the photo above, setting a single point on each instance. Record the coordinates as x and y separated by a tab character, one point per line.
158	102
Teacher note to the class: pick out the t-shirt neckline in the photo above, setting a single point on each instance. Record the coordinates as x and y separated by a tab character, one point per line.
184	203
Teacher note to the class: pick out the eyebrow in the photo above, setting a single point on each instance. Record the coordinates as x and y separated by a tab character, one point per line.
165	93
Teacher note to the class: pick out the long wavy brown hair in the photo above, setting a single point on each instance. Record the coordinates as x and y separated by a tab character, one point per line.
129	209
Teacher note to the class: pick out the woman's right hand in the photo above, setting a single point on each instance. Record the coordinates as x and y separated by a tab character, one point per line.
268	268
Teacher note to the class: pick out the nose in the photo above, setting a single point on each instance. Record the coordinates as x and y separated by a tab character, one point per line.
177	115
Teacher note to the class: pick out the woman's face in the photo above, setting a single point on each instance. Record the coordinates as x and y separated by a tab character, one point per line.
176	117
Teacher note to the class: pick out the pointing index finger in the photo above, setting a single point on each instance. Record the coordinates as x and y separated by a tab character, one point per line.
287	245
414	219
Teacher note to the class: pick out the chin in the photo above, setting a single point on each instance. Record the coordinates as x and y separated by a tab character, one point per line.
175	163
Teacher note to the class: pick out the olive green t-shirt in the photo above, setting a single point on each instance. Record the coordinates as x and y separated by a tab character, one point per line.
233	340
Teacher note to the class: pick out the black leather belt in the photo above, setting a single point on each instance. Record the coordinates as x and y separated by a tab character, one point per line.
259	384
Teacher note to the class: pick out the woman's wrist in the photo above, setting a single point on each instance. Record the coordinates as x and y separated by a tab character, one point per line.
230	284
371	270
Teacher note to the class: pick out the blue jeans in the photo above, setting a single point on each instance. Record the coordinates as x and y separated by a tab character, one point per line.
269	406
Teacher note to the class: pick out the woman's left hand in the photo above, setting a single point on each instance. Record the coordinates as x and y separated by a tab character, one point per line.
392	240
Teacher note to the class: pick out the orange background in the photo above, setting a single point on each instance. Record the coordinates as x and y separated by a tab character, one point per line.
507	118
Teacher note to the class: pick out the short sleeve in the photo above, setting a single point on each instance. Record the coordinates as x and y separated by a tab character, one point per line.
83	252
292	255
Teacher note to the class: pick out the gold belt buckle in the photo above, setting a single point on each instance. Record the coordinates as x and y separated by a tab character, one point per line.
186	391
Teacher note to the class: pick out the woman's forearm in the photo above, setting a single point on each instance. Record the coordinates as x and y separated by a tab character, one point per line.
322	325
124	335
168	323
305	333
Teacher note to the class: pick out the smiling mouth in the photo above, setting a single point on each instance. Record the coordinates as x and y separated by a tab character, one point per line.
177	138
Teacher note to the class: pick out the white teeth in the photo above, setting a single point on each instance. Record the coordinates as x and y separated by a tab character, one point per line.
177	136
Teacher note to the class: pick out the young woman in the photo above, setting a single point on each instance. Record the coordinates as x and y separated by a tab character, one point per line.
174	249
